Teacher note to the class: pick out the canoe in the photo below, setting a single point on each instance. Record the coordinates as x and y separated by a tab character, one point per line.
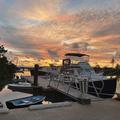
23	102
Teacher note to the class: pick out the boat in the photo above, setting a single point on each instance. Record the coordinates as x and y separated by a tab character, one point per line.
76	66
24	102
108	71
21	86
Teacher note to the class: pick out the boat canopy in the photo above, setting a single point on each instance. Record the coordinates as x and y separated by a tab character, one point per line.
75	58
76	54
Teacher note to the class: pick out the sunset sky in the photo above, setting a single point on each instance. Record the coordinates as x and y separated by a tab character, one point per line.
42	31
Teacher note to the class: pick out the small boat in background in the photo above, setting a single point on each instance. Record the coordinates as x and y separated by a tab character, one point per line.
24	102
21	86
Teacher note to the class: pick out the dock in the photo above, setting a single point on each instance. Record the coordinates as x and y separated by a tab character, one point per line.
107	109
102	110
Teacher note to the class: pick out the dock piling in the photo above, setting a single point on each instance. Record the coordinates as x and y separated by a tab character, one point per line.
35	84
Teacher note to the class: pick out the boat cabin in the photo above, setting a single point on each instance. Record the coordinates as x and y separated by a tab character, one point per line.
77	64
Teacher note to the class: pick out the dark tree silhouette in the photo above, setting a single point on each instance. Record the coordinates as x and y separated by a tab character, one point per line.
7	68
2	51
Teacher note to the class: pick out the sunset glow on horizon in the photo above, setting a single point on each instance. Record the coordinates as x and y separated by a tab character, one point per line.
42	31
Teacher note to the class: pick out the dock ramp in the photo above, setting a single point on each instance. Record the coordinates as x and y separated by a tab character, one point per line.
79	94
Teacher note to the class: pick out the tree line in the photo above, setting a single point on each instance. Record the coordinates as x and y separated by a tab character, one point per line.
7	68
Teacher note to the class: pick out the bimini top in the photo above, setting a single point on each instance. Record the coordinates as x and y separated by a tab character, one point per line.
76	54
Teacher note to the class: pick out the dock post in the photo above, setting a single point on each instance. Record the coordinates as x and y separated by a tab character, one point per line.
35	84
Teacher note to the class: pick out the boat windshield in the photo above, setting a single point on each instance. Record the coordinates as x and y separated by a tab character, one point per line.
84	65
75	61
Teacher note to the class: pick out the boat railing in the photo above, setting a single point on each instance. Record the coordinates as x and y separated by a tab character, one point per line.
72	81
97	90
73	78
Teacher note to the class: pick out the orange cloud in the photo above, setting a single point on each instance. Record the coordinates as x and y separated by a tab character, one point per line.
46	31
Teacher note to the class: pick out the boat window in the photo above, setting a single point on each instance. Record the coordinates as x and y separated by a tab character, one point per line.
66	62
75	61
